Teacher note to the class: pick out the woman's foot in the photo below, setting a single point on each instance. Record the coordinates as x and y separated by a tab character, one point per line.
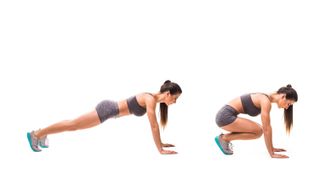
225	147
33	141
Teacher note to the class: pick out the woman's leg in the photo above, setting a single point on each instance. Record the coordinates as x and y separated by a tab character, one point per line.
87	120
242	129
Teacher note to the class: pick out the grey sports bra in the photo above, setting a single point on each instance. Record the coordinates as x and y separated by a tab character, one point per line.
248	106
134	107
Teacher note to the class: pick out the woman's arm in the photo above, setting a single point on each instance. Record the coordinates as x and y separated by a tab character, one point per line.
267	129
151	106
266	126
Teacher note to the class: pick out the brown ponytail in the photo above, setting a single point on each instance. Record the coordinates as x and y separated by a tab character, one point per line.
163	114
288	118
173	89
291	94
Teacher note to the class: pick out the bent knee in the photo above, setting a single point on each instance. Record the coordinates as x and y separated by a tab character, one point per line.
258	132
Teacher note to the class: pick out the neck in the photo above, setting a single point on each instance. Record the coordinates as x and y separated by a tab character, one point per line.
159	96
274	97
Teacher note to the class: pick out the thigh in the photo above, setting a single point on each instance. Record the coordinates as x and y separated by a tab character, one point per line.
242	125
87	120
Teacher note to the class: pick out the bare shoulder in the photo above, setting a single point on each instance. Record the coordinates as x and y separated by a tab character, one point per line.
146	98
259	96
263	100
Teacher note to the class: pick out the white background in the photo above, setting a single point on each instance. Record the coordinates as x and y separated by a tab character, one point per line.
58	59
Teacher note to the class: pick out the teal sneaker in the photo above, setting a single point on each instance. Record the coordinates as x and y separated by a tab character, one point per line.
225	147
33	141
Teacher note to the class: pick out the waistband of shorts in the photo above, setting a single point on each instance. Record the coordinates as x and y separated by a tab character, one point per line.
231	109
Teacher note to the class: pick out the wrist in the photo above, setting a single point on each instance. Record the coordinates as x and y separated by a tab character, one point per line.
271	152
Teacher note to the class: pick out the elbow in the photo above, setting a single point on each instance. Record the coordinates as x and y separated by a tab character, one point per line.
154	126
267	129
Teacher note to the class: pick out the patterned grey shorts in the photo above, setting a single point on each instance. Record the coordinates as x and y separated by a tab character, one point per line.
226	115
107	109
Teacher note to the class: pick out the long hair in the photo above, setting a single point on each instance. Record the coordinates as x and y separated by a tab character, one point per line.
173	89
291	94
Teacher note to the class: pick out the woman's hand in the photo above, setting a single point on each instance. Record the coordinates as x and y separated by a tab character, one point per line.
167	145
163	151
167	152
279	155
278	150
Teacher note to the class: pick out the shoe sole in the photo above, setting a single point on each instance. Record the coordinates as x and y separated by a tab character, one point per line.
30	142
216	139
44	146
